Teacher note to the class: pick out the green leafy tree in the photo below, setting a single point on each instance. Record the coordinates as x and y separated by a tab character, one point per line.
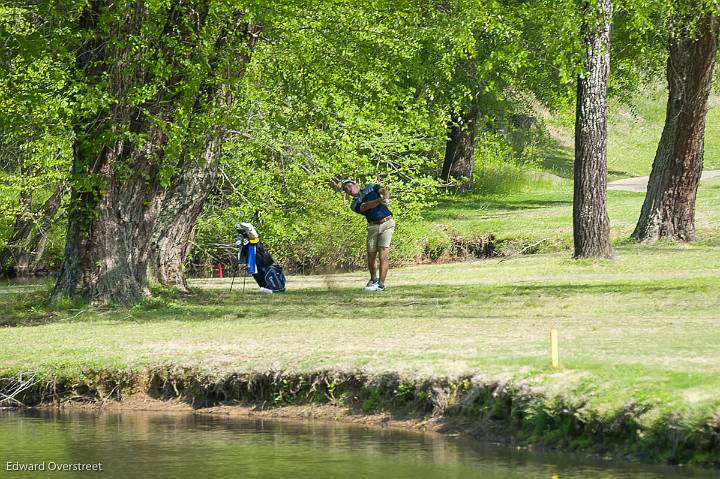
152	82
35	135
327	95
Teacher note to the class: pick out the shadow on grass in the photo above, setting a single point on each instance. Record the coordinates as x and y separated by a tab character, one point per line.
27	304
477	205
400	301
560	161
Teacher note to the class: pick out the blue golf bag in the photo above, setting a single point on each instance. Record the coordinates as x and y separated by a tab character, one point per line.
260	264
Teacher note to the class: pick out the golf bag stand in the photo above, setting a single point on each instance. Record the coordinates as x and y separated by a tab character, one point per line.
237	269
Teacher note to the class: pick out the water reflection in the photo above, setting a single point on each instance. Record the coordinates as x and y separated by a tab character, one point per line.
186	445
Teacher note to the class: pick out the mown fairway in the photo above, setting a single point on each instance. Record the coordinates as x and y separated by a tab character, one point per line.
643	327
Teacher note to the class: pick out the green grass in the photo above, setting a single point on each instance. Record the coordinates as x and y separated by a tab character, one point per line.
529	216
520	208
643	326
633	135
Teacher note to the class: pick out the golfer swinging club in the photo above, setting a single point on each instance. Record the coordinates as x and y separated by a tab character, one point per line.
372	202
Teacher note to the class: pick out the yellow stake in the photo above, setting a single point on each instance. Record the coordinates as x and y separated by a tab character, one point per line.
554	348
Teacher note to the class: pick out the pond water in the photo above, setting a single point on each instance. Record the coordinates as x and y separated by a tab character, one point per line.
179	445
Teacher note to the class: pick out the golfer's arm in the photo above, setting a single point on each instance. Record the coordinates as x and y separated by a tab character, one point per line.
370	204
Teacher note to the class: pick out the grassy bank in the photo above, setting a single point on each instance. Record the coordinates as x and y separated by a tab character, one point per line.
653	309
638	341
544	214
520	207
634	131
640	366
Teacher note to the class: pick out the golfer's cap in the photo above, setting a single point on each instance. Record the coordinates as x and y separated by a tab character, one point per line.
346	181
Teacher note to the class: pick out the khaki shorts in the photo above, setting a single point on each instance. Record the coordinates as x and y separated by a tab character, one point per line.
379	236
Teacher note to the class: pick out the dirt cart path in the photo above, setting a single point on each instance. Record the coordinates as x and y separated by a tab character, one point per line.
639	183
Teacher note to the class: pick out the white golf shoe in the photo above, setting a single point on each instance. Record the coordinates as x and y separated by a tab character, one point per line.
372	285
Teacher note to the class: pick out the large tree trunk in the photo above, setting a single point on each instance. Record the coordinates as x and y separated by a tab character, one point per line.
460	148
120	150
591	226
26	246
186	198
172	239
116	194
106	252
669	207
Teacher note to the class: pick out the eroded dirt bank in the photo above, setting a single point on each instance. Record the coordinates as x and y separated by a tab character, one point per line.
501	411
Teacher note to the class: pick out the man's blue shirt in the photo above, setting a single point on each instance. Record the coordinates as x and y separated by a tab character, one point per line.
369	193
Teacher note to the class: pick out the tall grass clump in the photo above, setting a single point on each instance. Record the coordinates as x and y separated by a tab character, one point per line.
510	159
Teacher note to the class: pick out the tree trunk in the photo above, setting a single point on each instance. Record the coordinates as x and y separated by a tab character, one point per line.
172	239
591	226
669	206
50	210
460	148
116	193
186	198
106	251
120	151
